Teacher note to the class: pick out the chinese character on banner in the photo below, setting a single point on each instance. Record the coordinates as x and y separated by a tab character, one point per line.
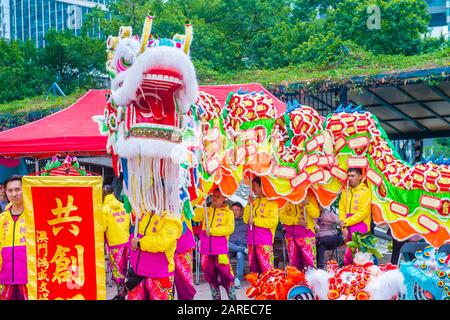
66	219
65	253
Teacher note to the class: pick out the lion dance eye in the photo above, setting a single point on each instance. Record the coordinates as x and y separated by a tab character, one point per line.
123	64
126	62
112	121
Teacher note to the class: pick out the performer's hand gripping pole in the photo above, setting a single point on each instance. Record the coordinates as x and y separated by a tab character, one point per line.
205	211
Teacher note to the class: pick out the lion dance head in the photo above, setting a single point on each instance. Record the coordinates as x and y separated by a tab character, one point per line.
153	85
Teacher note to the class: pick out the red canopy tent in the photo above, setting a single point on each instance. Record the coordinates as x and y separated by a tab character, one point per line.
72	130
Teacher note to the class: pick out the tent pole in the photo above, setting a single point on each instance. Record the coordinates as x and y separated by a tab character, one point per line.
36	165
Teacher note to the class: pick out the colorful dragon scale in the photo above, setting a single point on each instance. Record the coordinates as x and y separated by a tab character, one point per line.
160	127
412	199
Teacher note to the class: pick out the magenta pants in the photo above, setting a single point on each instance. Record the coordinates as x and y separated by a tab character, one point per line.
183	277
217	273
14	292
301	252
118	261
153	289
260	257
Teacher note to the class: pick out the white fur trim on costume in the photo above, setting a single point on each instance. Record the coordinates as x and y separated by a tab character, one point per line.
361	258
134	147
318	282
145	190
386	285
165	57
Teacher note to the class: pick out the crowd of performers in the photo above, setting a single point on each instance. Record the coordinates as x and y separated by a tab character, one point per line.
158	263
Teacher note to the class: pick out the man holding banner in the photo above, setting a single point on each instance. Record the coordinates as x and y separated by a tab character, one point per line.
64	237
13	260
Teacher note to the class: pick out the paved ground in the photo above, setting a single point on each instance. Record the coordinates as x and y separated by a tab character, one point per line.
203	292
202	288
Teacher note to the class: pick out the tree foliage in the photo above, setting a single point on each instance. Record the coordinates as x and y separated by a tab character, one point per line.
402	24
20	73
72	61
438	147
230	36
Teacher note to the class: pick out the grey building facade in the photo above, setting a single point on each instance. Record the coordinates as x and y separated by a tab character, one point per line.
31	19
440	17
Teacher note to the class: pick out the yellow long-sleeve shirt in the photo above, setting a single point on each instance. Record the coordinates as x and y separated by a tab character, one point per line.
299	215
116	222
355	207
265	216
221	220
158	240
221	226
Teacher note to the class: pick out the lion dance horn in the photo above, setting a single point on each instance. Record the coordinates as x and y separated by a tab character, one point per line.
111	45
146	32
188	36
125	32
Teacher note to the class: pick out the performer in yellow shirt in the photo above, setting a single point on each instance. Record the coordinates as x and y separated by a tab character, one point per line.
116	225
298	222
13	249
152	256
262	223
216	229
354	209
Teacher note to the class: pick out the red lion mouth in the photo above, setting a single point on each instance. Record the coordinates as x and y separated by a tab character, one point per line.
154	113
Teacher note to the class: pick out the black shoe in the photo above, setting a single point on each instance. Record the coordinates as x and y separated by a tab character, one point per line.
117	297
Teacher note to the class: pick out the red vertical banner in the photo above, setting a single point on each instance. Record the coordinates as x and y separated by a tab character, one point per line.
65	247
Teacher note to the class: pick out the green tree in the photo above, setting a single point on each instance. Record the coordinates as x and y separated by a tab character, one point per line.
74	62
439	147
21	74
321	50
403	22
307	10
228	35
